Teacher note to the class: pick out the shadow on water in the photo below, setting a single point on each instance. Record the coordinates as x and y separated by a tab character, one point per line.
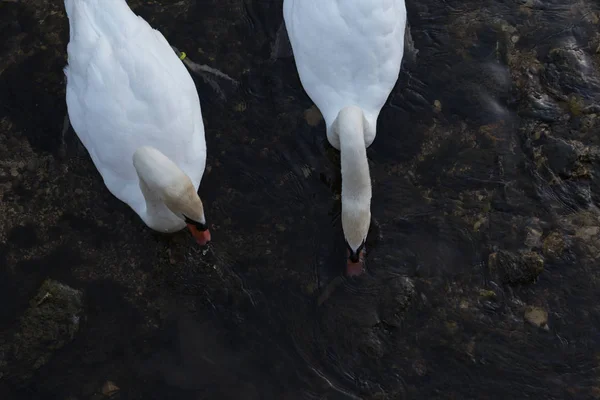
482	268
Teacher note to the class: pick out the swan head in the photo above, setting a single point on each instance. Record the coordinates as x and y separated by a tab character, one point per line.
356	220
183	200
161	179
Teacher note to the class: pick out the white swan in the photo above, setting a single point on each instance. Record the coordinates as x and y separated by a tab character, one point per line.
136	110
348	55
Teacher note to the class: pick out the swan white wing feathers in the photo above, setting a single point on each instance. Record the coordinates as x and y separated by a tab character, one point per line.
127	88
347	52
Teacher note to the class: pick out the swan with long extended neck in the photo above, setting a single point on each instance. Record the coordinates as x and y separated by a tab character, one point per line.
348	55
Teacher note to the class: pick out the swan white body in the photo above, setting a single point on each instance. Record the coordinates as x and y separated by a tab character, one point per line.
128	92
348	54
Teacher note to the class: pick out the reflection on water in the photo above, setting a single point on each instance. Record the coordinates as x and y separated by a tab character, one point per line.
482	266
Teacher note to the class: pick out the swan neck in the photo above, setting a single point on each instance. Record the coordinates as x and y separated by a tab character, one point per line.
159	180
356	180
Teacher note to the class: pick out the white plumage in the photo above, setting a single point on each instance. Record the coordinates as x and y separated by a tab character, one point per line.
127	89
348	53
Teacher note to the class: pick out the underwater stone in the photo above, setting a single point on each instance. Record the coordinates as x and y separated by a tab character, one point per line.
51	322
542	106
515	268
536	316
313	116
533	237
561	157
570	70
553	246
400	293
109	389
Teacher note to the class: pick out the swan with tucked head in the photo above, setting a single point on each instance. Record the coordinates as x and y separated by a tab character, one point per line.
136	110
348	55
171	201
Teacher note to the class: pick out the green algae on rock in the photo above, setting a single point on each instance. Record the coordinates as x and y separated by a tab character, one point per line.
515	268
50	323
554	246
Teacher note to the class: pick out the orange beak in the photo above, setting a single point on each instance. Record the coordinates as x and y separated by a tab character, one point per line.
202	237
355	268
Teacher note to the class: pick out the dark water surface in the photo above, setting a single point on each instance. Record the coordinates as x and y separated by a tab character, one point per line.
483	264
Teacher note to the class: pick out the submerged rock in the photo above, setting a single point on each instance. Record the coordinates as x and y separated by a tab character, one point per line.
588	238
515	268
537	316
554	246
49	324
313	116
533	237
561	157
109	389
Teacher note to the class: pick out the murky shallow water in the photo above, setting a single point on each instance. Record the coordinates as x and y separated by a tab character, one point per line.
485	168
